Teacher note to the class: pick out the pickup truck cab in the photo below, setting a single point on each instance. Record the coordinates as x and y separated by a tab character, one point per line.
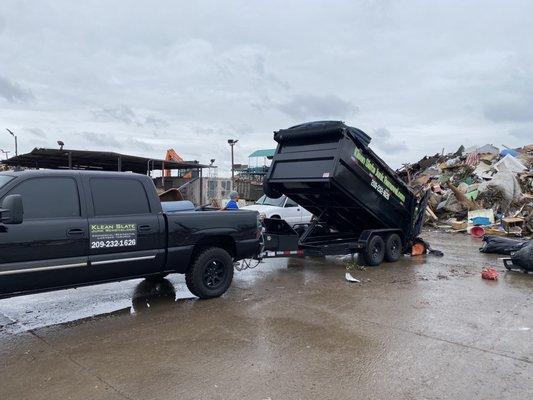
281	208
62	229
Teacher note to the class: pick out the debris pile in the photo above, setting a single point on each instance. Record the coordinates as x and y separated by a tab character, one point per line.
479	190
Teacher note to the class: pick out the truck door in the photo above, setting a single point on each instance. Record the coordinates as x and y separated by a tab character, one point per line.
306	215
50	248
126	237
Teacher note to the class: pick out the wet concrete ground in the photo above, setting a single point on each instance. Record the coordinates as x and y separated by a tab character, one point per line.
422	328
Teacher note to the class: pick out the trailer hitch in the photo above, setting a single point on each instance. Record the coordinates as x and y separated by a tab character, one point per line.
247	264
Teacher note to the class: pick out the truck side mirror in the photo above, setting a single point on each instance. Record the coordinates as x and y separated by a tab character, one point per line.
12	210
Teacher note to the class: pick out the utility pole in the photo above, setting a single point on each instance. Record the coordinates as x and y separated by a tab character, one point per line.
232	143
16	145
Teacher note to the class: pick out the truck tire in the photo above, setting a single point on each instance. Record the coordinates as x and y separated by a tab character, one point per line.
393	247
210	274
374	251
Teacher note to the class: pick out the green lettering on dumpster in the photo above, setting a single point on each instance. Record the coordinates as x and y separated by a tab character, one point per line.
378	173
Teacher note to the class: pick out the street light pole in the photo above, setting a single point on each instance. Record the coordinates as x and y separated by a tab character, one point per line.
16	145
6	153
232	143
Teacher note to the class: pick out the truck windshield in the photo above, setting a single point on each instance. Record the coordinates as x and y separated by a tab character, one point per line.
267	201
4	179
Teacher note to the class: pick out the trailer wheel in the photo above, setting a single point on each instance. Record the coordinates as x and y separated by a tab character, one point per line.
374	251
393	247
210	274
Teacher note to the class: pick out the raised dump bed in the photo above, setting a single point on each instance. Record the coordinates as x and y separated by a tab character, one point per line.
328	168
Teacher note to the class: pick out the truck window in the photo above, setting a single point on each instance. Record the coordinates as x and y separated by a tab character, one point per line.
49	198
274	202
118	197
4	179
290	203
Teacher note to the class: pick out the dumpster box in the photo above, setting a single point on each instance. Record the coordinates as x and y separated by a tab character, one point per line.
328	168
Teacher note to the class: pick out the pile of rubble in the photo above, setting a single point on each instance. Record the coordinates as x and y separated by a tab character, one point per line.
480	190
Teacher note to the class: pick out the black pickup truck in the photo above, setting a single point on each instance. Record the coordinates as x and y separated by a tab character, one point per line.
62	229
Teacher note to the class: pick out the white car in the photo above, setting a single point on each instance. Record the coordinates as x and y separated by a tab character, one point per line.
283	208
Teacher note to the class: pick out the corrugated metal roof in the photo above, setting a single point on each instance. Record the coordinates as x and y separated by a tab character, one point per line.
269	153
94	160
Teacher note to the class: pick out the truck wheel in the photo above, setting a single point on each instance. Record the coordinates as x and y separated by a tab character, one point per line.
393	247
210	274
374	251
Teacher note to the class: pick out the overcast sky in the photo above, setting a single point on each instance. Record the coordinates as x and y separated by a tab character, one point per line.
141	77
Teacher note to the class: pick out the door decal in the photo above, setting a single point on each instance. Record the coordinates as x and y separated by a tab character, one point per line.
113	235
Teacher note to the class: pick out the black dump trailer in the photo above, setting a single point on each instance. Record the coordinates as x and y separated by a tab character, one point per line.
359	203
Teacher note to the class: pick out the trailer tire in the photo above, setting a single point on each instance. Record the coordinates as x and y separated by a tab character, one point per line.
393	247
374	251
210	274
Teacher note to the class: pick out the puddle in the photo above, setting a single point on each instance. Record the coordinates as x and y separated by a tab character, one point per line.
24	313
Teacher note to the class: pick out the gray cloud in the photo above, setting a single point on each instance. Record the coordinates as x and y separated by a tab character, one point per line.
523	133
126	115
35	132
112	142
315	107
384	141
120	113
155	122
510	110
101	140
13	92
436	74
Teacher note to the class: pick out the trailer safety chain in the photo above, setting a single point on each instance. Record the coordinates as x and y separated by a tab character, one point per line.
246	264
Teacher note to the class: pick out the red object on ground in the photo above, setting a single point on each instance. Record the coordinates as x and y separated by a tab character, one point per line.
418	249
477	231
490	273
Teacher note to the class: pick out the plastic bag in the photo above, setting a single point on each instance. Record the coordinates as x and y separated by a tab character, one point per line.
501	245
523	258
501	191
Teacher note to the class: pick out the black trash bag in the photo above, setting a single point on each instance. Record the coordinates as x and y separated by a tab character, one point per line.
501	245
523	258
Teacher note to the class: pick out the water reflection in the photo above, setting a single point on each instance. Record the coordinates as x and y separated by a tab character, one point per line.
149	294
